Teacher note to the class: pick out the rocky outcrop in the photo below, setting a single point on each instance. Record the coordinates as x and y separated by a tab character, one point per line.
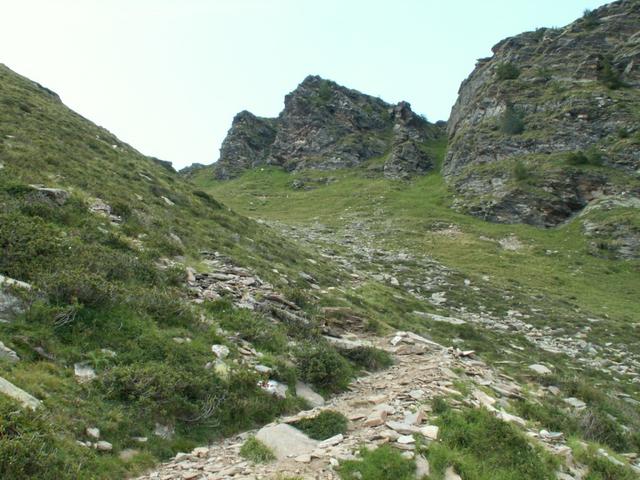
327	126
541	97
247	144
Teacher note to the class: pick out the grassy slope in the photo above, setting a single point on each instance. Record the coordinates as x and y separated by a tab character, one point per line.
553	264
96	289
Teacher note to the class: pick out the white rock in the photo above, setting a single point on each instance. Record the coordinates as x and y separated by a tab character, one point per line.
422	467
93	432
539	369
220	351
10	390
274	388
285	441
163	431
304	458
406	439
84	372
314	399
331	441
263	369
574	402
104	446
7	354
450	474
430	431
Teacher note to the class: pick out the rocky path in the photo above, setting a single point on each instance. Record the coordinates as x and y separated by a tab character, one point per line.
385	407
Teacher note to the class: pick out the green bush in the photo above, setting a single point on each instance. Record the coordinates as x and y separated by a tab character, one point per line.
511	121
609	75
325	425
320	365
590	157
368	358
163	390
252	327
383	463
507	71
521	171
256	451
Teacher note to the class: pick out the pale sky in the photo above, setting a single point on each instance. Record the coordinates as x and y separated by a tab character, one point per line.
167	76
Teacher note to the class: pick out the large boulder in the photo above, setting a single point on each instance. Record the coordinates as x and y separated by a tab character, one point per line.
285	441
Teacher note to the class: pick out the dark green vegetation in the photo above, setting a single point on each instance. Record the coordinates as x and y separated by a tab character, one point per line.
384	463
325	425
256	451
507	71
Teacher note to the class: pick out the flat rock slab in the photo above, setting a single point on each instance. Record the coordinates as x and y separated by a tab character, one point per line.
285	441
27	400
314	399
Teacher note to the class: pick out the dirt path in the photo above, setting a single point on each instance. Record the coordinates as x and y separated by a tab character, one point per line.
384	407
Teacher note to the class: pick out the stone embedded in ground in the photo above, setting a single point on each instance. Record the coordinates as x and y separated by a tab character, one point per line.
450	474
127	454
430	432
331	441
539	369
414	418
285	441
574	402
22	397
422	467
406	439
304	391
274	388
7	354
375	418
84	372
163	431
220	351
93	432
103	446
484	399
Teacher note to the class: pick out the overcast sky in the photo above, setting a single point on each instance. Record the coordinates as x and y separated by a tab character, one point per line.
167	76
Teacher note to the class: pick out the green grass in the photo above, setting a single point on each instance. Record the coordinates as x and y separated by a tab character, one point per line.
384	463
256	451
481	447
325	425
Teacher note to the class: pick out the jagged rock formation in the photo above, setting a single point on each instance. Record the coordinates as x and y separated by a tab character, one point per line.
327	126
542	95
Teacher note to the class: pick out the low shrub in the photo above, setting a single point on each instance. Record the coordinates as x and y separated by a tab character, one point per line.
579	157
507	71
511	121
609	75
327	424
368	358
521	171
322	366
256	451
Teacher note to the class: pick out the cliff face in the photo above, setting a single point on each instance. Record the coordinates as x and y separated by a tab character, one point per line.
327	126
550	121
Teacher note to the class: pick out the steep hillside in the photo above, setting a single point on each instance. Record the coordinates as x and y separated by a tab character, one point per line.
134	309
326	126
550	121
